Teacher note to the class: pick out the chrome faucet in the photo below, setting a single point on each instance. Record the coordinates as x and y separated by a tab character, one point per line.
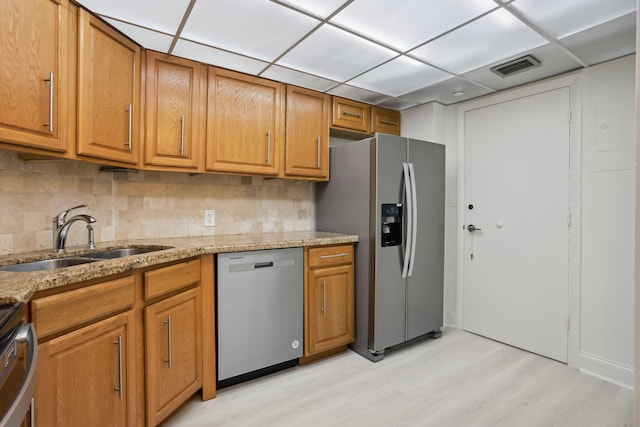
61	227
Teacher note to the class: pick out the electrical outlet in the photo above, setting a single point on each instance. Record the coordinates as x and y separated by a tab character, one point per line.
209	218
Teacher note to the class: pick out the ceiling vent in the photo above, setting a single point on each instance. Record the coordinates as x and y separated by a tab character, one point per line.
516	66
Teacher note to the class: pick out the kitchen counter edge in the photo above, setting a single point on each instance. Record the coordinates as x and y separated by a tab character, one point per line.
15	286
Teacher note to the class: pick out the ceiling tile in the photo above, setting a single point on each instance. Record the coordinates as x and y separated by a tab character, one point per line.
335	54
561	18
166	18
358	94
443	92
398	76
217	57
147	38
321	9
395	103
298	78
607	41
552	59
408	23
491	38
256	28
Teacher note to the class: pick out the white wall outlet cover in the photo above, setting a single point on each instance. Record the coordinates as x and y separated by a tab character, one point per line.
209	218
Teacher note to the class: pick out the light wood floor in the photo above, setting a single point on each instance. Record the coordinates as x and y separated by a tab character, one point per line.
458	380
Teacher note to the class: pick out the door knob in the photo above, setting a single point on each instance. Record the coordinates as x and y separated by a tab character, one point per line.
473	228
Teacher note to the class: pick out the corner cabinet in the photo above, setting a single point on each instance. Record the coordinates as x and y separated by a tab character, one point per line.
108	92
351	115
384	120
307	133
245	120
329	299
34	76
175	98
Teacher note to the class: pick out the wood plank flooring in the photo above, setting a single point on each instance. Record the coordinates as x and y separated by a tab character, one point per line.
458	380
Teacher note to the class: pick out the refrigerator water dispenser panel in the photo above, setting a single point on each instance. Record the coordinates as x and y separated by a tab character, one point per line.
391	224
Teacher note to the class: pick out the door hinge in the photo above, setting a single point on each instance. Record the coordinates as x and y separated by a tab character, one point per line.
569	115
568	322
569	219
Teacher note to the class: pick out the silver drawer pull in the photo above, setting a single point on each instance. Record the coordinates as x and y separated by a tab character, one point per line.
333	256
350	114
387	122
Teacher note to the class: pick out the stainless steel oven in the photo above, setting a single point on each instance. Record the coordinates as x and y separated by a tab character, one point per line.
18	356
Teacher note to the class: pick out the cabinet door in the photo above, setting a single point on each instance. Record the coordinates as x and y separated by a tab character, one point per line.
351	115
329	308
307	133
34	75
173	353
385	121
175	103
86	377
244	123
108	92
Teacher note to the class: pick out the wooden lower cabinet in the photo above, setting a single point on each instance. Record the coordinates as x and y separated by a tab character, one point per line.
173	341
329	299
86	377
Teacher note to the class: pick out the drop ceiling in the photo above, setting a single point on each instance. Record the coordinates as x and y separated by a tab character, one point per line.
395	54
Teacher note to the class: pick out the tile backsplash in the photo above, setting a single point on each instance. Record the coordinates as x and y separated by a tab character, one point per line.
138	205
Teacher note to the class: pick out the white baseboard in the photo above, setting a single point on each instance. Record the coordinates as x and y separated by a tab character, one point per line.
450	319
607	370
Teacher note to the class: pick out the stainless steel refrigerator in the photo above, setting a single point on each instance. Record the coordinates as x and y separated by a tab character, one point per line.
389	190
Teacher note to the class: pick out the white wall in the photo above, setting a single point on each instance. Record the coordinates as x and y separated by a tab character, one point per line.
601	335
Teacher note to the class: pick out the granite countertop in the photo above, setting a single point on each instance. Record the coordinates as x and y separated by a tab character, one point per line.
20	286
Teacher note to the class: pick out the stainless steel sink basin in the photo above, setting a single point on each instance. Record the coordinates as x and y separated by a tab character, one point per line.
47	264
122	252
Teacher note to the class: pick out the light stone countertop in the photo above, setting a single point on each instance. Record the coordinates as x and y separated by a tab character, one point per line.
20	286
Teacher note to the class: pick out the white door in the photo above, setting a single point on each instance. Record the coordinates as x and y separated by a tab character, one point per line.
516	191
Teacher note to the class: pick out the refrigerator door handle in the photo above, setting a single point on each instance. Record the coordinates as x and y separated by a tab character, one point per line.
414	216
408	193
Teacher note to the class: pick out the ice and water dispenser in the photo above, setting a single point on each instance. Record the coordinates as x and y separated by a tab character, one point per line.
391	223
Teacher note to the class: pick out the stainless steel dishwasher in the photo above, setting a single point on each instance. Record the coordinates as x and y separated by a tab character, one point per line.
260	299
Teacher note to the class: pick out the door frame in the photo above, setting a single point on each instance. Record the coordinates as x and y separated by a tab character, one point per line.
575	174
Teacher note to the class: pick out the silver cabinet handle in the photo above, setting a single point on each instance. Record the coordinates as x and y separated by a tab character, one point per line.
269	146
182	137
119	389
33	412
51	94
169	344
324	298
318	143
128	144
388	122
333	256
350	114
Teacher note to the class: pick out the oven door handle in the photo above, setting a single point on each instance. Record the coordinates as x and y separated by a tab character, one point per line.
25	333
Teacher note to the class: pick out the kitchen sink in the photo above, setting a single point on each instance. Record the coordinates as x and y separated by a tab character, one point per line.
47	264
52	264
122	252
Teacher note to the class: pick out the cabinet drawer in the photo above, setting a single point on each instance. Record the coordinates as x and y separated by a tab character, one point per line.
330	255
66	310
385	121
351	114
172	278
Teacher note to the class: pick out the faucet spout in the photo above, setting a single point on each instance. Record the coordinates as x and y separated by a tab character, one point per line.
63	230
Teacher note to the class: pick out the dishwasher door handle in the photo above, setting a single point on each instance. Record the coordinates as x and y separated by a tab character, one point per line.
263	265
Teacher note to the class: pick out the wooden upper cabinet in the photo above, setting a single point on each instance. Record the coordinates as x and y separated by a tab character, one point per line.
175	111
385	121
351	115
108	92
307	133
34	75
245	119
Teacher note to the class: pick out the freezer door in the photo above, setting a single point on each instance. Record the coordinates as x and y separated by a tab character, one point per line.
425	285
388	296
